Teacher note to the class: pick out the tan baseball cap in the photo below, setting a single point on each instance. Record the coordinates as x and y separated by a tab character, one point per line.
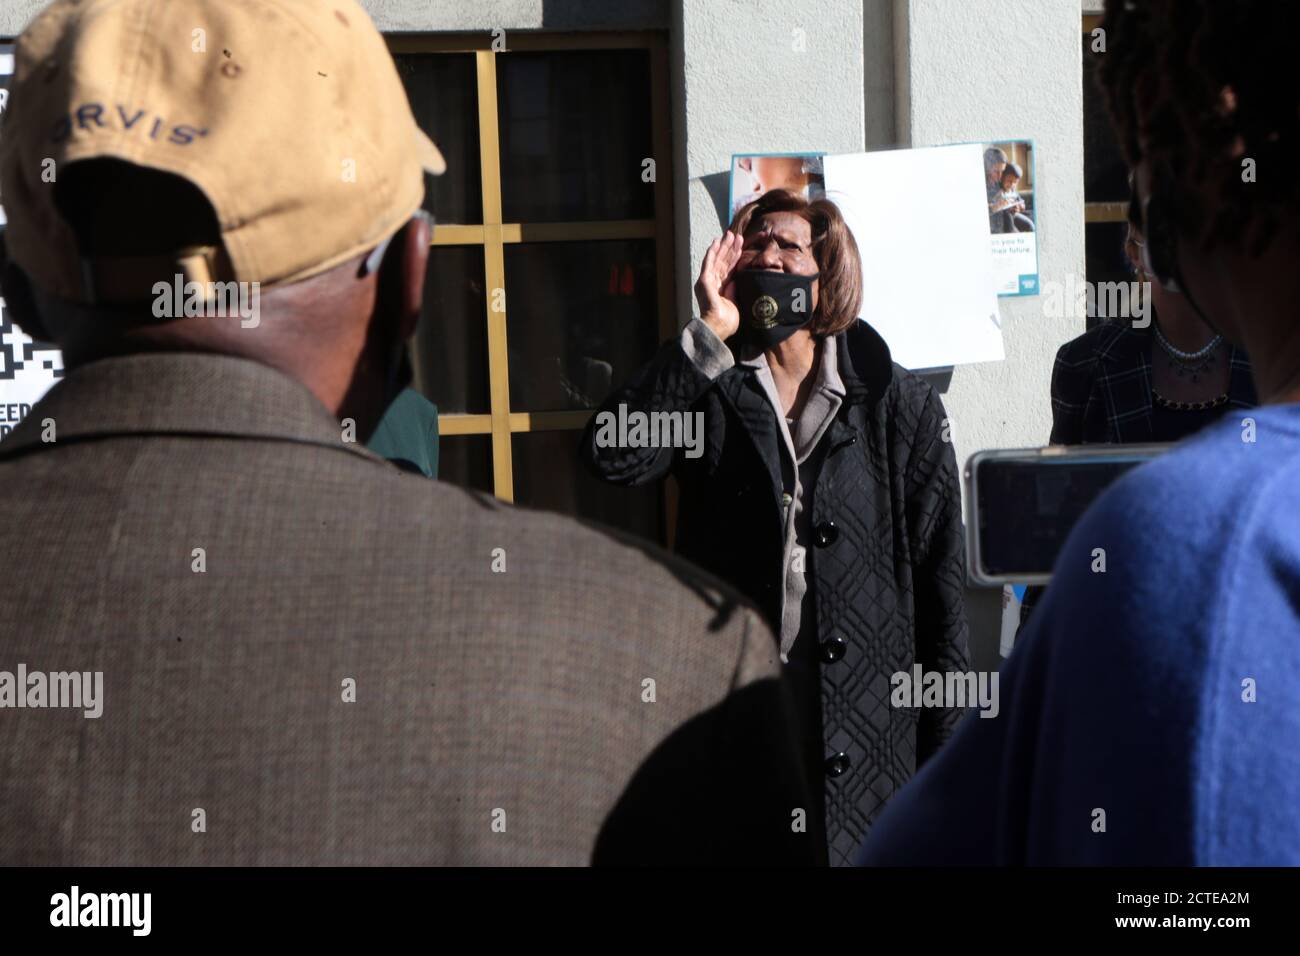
287	114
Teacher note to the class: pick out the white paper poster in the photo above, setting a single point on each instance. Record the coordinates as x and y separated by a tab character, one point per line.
921	221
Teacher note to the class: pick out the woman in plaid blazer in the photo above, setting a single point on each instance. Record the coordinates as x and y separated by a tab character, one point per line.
1158	378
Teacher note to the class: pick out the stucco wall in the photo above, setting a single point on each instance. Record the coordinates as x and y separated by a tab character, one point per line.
968	83
879	69
749	81
444	15
15	14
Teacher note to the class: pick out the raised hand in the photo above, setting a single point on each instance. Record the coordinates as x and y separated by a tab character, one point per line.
719	312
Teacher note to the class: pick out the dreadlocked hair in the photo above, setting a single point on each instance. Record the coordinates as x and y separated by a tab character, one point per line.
1206	85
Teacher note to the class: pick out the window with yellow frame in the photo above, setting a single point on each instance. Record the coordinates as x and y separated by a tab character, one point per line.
550	279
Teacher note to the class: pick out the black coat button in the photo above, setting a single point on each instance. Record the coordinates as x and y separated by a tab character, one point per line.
833	649
837	764
825	534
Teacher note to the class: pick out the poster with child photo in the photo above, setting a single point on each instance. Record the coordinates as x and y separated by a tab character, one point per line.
1009	185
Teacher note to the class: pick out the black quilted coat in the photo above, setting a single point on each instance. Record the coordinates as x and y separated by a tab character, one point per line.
886	565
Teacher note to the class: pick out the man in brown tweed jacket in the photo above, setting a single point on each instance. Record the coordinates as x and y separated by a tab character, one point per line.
228	633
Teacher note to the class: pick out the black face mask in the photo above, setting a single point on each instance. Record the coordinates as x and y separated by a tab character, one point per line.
773	305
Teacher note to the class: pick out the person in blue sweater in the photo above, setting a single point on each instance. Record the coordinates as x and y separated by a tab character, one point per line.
1150	713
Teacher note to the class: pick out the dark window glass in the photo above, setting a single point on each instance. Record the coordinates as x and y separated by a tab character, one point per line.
1104	255
449	349
548	475
466	460
575	129
443	90
1105	174
580	319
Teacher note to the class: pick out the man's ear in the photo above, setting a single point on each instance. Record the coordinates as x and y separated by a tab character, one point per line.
413	249
20	300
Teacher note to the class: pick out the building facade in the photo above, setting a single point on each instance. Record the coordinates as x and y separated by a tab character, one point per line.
589	146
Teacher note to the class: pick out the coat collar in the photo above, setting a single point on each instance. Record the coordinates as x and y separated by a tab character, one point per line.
865	371
864	362
1120	345
180	393
826	376
866	367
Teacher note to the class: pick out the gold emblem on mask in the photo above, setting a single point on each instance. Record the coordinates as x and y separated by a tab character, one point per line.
764	311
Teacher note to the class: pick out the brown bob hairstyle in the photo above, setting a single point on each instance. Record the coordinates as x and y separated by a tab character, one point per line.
839	297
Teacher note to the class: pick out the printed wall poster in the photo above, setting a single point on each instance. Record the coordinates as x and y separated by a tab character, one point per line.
1013	595
756	173
1013	220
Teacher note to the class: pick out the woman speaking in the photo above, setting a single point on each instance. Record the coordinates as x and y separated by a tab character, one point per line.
826	491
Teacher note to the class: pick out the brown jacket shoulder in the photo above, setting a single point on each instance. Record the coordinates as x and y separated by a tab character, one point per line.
311	657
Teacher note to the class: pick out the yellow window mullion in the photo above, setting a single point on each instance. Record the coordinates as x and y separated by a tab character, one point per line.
451	234
494	273
1105	212
458	423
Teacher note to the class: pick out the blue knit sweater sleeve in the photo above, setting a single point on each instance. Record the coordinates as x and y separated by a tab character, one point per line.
1151	711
